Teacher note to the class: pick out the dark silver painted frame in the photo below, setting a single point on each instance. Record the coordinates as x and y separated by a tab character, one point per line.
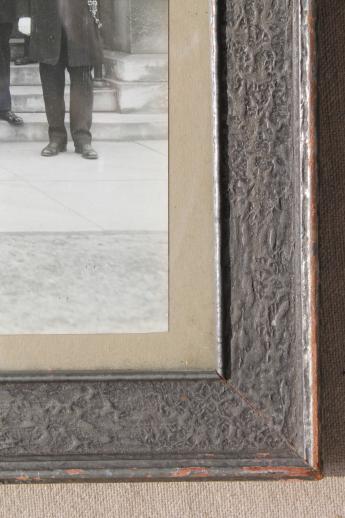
258	418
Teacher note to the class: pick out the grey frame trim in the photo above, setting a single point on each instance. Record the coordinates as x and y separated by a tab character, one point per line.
261	419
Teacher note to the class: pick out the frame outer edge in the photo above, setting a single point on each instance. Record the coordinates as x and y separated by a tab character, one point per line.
307	468
167	474
310	275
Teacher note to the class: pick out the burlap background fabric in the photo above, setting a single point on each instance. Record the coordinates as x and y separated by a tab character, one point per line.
325	499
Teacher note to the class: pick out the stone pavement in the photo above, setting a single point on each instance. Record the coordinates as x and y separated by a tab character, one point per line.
86	282
84	244
125	190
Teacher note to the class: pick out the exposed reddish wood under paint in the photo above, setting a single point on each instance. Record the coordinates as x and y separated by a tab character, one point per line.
194	471
314	273
74	471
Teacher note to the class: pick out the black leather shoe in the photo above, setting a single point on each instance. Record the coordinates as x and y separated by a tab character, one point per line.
11	118
86	151
53	148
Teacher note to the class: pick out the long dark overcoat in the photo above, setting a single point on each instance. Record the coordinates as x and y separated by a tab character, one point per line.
48	17
7	11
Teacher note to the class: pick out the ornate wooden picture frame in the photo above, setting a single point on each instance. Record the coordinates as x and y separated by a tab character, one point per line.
258	416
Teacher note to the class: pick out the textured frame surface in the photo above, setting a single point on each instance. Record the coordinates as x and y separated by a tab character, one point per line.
261	419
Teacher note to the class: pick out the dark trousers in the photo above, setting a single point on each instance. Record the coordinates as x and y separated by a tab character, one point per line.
5	55
81	102
26	46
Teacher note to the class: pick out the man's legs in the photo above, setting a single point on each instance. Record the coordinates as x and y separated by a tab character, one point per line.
5	96
81	110
53	85
5	57
81	104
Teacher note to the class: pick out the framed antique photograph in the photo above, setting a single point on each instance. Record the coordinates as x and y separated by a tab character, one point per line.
158	240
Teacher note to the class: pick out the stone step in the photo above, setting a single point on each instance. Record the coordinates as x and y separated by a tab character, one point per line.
106	126
27	75
118	66
140	97
123	97
30	99
121	66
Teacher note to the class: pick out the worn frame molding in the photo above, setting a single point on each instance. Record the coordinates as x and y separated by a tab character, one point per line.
259	419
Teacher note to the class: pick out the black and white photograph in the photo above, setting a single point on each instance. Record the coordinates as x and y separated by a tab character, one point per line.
83	166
